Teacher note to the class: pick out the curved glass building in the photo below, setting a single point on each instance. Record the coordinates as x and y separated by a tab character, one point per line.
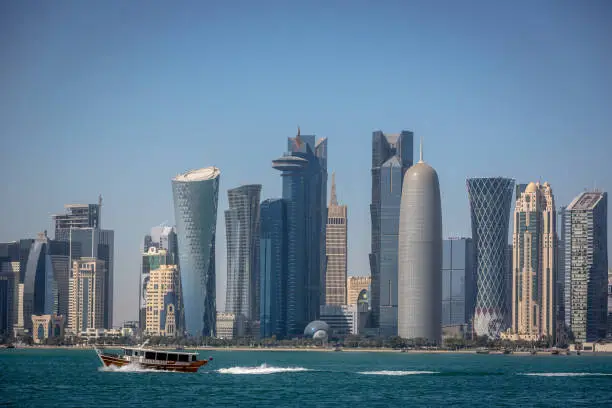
195	208
490	199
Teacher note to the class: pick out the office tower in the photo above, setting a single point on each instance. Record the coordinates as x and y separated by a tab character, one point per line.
304	175
420	255
391	157
336	250
561	265
490	200
242	234
357	287
87	295
152	258
586	257
163	237
273	268
458	281
195	196
9	287
609	301
534	244
100	244
77	216
163	311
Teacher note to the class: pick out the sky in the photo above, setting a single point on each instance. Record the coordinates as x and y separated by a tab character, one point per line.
116	98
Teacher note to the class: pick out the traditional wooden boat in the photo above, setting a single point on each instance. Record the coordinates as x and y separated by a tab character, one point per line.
164	360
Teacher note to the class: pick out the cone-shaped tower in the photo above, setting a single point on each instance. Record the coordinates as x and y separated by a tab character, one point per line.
420	255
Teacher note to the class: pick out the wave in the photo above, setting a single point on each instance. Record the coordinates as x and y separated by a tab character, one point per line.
129	368
391	372
565	374
262	369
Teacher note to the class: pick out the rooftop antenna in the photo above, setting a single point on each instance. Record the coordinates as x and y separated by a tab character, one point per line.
421	151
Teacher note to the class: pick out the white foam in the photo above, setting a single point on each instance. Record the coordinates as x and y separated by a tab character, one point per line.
564	374
262	369
129	368
391	372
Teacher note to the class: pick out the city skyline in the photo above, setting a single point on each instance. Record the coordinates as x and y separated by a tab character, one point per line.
496	96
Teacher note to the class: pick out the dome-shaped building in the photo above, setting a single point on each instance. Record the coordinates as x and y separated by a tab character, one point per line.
316	326
420	255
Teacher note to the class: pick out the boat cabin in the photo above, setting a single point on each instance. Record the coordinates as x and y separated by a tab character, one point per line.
169	356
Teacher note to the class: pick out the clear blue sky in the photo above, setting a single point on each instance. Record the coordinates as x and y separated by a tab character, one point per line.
117	97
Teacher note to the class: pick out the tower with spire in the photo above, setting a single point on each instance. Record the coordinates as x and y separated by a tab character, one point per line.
336	250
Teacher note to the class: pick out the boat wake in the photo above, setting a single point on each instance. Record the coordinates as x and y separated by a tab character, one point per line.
262	369
566	374
391	372
129	368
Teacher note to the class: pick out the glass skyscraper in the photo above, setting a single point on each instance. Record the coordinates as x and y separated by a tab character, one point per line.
304	174
242	234
195	207
273	268
490	201
392	155
458	285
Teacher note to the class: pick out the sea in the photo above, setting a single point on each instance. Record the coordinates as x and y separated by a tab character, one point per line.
32	377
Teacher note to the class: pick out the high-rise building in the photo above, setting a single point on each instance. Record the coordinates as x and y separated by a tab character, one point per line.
561	267
273	268
87	295
242	234
336	250
458	281
391	157
163	237
9	287
304	175
163	311
420	255
152	259
586	273
534	244
77	216
195	196
357	287
490	201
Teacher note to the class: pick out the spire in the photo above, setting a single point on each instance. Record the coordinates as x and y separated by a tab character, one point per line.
333	200
421	151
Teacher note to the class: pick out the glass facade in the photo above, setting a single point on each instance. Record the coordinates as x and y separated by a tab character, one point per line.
392	155
242	234
458	284
304	174
273	268
195	207
490	201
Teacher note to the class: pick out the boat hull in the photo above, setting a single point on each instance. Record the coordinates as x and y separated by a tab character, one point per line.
191	367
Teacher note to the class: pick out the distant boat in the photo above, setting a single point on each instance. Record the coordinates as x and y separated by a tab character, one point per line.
554	352
507	351
153	359
482	351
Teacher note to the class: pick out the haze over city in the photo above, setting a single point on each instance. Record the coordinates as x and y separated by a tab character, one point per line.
117	98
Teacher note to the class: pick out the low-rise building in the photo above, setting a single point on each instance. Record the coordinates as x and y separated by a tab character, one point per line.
47	327
342	320
230	325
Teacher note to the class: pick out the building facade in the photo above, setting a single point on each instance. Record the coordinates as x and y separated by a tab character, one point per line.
586	257
47	327
304	175
343	320
163	237
163	311
355	286
490	201
392	155
273	269
420	255
195	196
87	295
230	325
242	235
336	250
152	259
534	243
458	281
77	216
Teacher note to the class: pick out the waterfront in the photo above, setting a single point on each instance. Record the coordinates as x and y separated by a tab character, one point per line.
66	377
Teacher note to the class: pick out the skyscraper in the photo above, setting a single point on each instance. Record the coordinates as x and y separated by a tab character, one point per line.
163	237
77	216
195	196
304	175
420	255
490	200
391	157
534	244
87	295
336	250
586	256
242	234
163	311
273	269
458	281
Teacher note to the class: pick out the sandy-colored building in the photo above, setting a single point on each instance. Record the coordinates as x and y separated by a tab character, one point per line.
336	250
163	310
230	325
355	285
47	327
87	296
534	244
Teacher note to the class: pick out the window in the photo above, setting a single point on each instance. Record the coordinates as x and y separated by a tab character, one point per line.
172	357
149	355
184	358
161	356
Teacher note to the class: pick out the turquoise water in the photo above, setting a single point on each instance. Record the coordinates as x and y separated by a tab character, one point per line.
73	378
